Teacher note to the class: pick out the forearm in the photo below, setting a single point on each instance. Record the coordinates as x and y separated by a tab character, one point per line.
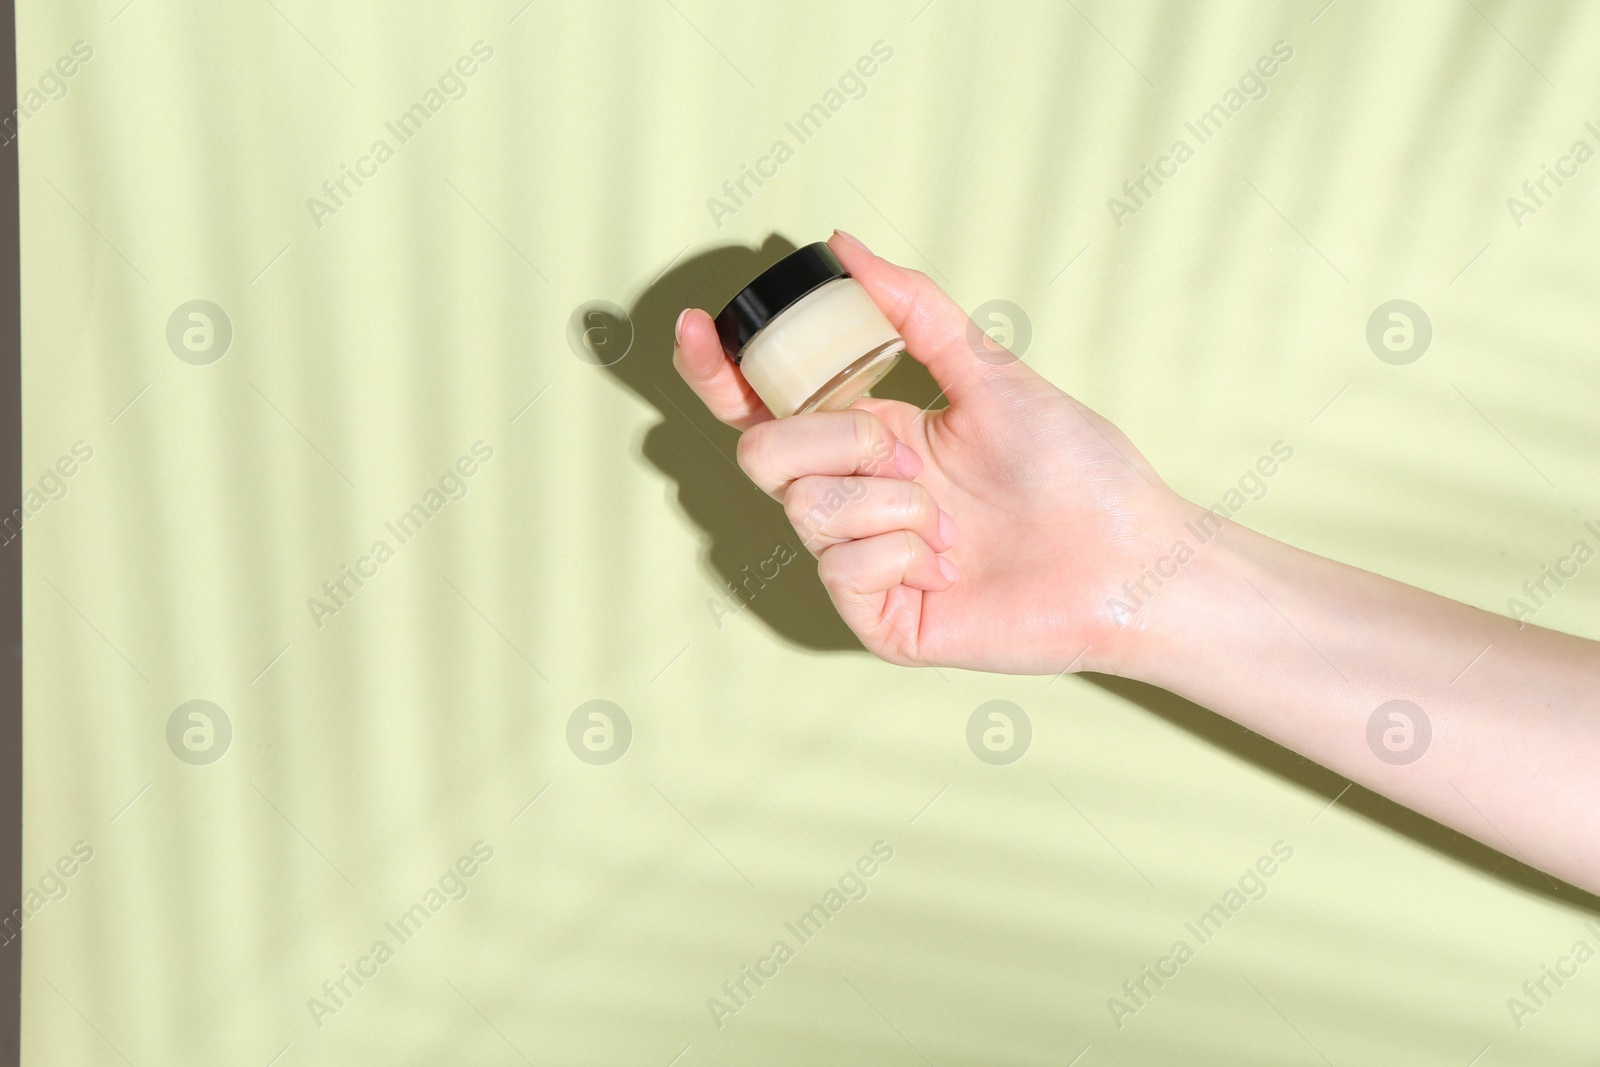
1305	651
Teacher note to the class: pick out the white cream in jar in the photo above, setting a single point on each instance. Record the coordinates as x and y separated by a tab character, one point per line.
806	335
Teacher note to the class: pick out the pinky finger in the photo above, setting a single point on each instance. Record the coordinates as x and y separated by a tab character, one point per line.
862	576
877	584
879	563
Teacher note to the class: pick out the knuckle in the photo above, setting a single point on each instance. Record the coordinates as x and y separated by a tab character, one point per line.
925	299
917	505
923	289
910	547
834	570
871	437
799	504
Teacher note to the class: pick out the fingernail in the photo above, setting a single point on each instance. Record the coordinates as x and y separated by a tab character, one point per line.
677	327
906	462
948	569
854	240
947	528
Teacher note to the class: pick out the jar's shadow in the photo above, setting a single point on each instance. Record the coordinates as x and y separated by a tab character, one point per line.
749	536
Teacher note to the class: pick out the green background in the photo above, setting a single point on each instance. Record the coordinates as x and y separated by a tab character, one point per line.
586	557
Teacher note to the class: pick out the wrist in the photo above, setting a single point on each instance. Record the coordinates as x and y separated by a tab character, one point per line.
1171	616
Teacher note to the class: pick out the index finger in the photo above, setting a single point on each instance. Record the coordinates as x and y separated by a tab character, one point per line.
702	363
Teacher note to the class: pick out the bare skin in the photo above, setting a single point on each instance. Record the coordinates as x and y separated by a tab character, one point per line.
997	534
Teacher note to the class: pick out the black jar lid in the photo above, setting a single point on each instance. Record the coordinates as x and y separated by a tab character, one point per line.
773	290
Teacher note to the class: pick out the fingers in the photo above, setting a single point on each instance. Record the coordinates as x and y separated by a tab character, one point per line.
826	511
777	451
716	380
858	574
934	326
864	579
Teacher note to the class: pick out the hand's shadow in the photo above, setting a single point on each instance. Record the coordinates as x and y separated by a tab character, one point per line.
749	535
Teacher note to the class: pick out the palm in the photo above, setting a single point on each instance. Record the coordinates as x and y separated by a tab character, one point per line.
1048	498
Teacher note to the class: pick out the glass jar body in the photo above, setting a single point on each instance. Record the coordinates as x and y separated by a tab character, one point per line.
823	352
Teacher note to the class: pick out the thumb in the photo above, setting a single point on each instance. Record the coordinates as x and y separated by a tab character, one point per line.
937	332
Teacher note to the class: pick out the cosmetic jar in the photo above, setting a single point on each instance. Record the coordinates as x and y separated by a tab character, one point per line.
806	335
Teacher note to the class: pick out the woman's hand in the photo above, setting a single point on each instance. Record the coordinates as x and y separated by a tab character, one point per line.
993	534
989	534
